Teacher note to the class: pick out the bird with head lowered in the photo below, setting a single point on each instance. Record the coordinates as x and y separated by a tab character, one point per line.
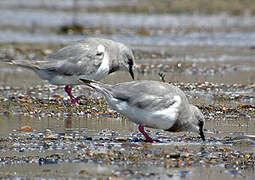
91	59
152	104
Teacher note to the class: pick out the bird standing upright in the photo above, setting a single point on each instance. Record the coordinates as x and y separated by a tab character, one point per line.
152	104
91	59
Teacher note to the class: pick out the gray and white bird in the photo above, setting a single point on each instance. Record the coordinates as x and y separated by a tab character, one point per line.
152	104
91	59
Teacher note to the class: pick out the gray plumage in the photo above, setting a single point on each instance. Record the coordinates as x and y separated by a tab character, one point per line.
91	58
81	59
153	104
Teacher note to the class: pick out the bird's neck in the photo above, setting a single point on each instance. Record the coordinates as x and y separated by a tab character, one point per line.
114	65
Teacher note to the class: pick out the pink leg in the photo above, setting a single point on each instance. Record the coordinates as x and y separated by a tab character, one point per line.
68	90
148	138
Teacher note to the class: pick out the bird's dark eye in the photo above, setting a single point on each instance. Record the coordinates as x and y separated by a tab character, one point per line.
99	53
130	61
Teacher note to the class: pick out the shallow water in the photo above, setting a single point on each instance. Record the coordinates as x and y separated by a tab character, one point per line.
192	39
44	24
115	132
26	17
104	133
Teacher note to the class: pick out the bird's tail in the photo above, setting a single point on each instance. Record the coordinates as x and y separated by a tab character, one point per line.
105	89
25	64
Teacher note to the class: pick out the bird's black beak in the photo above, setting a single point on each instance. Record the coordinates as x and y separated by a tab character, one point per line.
130	69
201	132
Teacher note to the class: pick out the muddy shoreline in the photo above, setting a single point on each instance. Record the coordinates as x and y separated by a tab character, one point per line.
48	131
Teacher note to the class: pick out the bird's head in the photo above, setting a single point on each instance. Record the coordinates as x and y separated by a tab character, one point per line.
128	60
198	120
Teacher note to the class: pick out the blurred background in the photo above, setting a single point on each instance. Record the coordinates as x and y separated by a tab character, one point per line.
144	22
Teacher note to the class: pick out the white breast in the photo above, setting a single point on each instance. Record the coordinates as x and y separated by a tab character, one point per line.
101	72
104	68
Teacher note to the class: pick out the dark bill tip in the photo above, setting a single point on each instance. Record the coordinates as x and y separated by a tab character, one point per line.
201	132
202	135
85	81
131	72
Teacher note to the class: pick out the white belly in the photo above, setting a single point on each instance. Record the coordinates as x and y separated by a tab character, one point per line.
162	119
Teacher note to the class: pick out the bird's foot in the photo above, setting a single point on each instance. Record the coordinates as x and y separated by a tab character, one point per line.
153	141
74	101
68	90
156	141
148	138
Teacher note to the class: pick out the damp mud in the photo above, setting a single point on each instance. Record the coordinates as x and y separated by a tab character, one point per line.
210	56
42	131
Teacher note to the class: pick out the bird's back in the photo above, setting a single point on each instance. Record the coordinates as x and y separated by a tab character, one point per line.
77	49
151	104
91	58
144	92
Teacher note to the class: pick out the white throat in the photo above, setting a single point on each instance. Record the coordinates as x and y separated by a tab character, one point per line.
104	68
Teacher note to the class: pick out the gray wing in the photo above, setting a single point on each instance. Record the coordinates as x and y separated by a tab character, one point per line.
79	58
150	102
70	51
147	95
73	67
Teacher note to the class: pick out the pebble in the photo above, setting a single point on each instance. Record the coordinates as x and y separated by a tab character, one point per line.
26	129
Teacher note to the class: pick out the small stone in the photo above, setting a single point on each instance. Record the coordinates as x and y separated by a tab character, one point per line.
47	132
111	154
26	129
174	155
51	137
121	139
212	156
186	154
83	171
58	96
247	156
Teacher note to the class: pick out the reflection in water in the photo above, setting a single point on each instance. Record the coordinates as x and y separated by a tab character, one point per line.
82	130
90	126
68	122
84	125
